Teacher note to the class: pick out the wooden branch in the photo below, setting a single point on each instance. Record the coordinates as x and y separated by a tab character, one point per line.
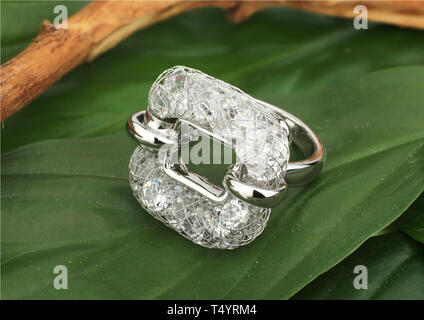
101	25
404	13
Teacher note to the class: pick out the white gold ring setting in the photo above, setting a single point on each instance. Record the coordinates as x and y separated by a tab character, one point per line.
185	104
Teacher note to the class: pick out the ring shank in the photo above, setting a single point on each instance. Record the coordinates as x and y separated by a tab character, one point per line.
304	171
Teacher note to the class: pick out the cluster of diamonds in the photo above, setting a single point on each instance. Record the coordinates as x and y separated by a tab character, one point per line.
260	143
255	132
224	226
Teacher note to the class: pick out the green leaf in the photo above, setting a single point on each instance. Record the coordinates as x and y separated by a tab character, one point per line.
395	270
67	201
412	221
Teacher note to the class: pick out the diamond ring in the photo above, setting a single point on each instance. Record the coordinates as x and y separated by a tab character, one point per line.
185	104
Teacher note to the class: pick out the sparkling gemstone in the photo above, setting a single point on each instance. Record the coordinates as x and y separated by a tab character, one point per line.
233	216
154	195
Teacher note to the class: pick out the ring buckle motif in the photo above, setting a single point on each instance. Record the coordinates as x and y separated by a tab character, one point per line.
206	214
